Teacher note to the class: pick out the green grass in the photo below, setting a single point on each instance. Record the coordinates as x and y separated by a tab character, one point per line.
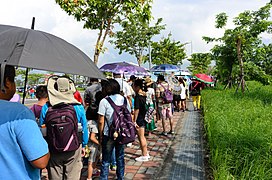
239	131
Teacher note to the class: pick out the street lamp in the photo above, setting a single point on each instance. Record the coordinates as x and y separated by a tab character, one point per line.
191	43
149	51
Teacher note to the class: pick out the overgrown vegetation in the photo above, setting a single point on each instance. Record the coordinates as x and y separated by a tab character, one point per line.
239	131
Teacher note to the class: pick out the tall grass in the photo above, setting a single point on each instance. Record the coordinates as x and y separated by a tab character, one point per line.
239	130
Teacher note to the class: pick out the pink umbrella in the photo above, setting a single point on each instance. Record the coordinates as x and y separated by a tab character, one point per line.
204	78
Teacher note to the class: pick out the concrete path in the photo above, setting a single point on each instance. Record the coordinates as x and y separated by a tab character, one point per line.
186	155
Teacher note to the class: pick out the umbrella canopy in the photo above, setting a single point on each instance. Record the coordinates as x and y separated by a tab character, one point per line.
204	78
39	50
165	68
124	68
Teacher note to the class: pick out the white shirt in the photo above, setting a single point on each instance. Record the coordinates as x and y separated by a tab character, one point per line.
106	110
124	86
183	92
150	92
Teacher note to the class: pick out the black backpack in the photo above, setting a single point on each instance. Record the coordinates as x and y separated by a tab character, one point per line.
62	128
122	125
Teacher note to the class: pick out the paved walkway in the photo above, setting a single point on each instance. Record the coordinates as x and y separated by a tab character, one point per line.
178	156
187	160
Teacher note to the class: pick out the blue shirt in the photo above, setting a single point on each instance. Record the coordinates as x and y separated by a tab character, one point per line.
81	117
21	141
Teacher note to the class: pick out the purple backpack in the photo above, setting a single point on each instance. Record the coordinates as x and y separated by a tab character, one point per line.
167	95
122	129
62	128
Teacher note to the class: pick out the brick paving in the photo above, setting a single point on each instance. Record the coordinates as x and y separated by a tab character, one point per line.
158	146
178	156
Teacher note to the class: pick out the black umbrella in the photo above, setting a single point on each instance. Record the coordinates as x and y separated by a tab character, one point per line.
39	50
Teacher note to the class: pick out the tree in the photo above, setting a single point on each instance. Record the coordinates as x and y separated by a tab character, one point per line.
200	63
167	51
245	37
135	35
263	58
103	15
35	78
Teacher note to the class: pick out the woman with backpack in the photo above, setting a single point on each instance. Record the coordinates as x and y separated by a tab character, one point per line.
196	93
106	118
164	107
139	117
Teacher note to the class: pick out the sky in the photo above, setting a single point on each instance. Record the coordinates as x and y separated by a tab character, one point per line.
187	20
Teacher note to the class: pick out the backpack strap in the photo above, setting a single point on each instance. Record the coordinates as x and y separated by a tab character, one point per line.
163	86
195	85
34	109
113	105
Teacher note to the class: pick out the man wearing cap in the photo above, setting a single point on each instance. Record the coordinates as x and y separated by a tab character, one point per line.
65	165
23	150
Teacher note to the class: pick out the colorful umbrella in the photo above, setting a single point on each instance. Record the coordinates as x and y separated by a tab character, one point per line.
165	68
204	78
124	68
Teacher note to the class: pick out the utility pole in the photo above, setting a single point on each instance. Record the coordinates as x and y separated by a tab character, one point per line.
149	52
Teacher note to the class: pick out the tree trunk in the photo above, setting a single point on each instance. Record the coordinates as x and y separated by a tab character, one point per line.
229	84
96	55
99	42
241	64
97	45
139	60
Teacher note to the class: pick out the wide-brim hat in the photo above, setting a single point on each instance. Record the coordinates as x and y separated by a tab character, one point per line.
61	90
148	81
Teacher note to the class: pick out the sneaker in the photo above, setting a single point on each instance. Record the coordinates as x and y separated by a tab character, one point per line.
129	144
113	167
164	133
171	132
142	158
148	156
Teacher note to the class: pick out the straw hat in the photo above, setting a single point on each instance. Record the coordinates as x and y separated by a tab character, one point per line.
148	81
61	90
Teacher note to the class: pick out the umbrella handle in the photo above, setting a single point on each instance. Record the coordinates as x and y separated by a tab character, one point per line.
3	65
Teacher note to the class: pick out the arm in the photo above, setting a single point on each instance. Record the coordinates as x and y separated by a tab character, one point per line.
82	119
136	109
129	100
136	113
43	113
93	138
30	139
101	123
41	162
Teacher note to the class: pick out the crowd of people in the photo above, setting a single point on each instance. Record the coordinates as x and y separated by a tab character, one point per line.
147	102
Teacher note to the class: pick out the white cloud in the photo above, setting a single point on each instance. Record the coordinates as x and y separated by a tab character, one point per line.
187	20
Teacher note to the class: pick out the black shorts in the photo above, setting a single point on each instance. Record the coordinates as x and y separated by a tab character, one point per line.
141	122
176	98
